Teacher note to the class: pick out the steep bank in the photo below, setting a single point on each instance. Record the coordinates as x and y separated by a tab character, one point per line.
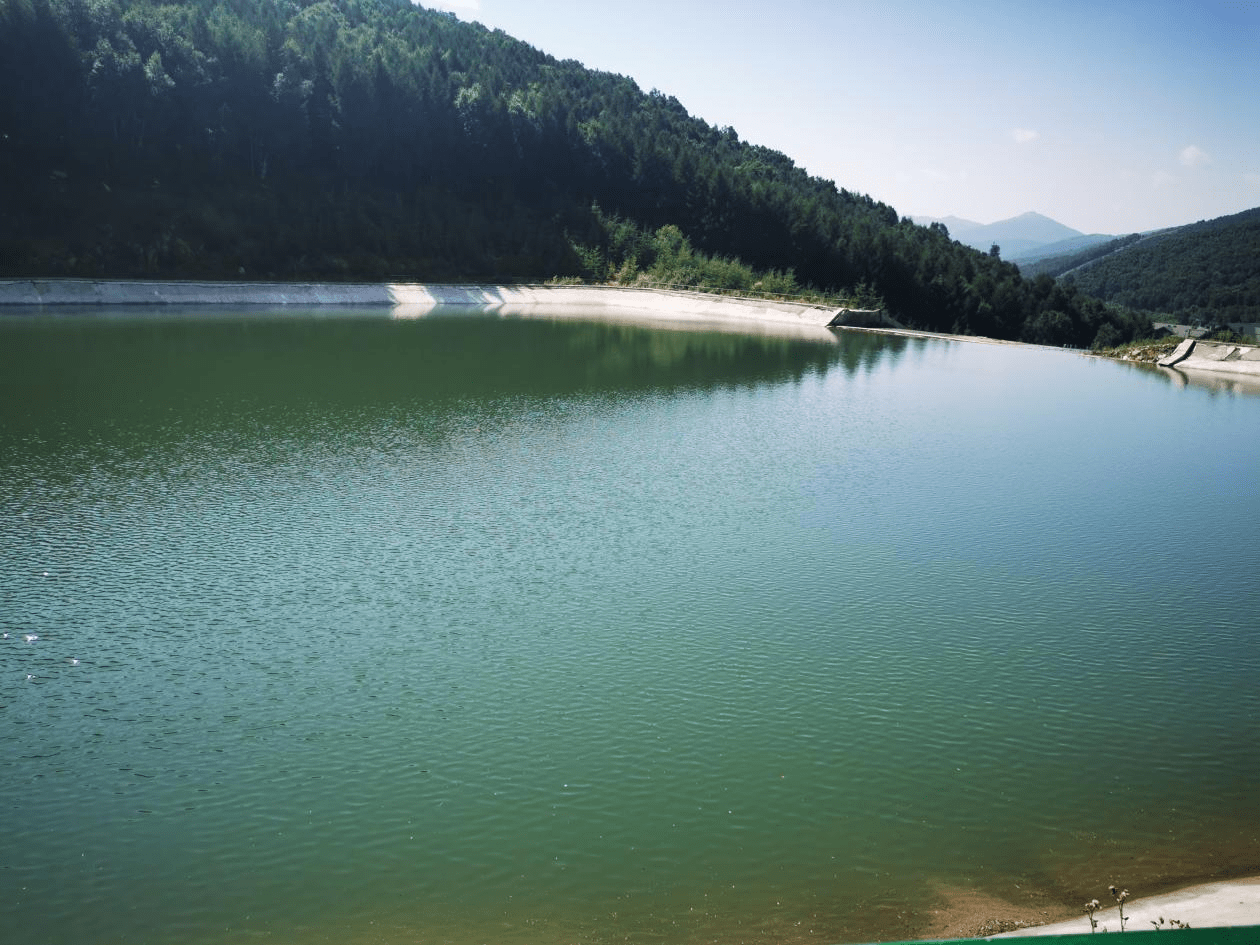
407	299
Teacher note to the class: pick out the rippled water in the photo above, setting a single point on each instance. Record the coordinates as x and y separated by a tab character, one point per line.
471	629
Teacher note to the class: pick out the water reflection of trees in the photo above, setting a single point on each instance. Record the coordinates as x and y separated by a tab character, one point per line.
124	383
864	350
94	362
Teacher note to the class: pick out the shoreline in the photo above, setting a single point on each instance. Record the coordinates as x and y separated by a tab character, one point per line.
1216	365
660	308
1009	909
1204	361
1223	904
413	297
1222	357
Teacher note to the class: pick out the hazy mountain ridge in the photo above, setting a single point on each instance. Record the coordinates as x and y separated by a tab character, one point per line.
1075	244
1024	236
956	225
1019	234
1204	271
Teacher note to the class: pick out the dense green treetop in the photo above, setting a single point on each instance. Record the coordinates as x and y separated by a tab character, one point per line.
364	138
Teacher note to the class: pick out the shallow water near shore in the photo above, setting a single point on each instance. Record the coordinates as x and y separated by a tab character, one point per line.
350	629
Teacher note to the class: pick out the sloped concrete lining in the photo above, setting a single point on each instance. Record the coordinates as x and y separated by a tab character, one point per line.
413	298
1218	359
113	292
864	318
1212	905
1180	353
42	292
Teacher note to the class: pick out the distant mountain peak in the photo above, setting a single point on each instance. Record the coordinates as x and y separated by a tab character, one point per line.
955	225
1018	234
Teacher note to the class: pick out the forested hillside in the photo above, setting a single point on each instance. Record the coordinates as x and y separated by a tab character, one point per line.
1061	263
1208	272
363	138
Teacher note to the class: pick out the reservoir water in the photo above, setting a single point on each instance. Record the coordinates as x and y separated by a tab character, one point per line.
330	627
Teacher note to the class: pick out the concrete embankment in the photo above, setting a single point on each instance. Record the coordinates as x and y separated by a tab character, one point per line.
43	292
1180	353
1219	358
1212	905
415	299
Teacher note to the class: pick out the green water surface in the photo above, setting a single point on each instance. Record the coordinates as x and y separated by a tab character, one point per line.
471	629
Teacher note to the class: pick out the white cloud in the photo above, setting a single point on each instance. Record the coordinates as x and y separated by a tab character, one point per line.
1024	135
1192	156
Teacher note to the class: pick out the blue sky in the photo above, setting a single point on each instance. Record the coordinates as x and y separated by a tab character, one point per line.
1111	116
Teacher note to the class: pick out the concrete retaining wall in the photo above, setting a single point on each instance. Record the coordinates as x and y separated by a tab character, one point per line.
1180	353
1222	358
413	298
864	318
660	302
109	292
1194	355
